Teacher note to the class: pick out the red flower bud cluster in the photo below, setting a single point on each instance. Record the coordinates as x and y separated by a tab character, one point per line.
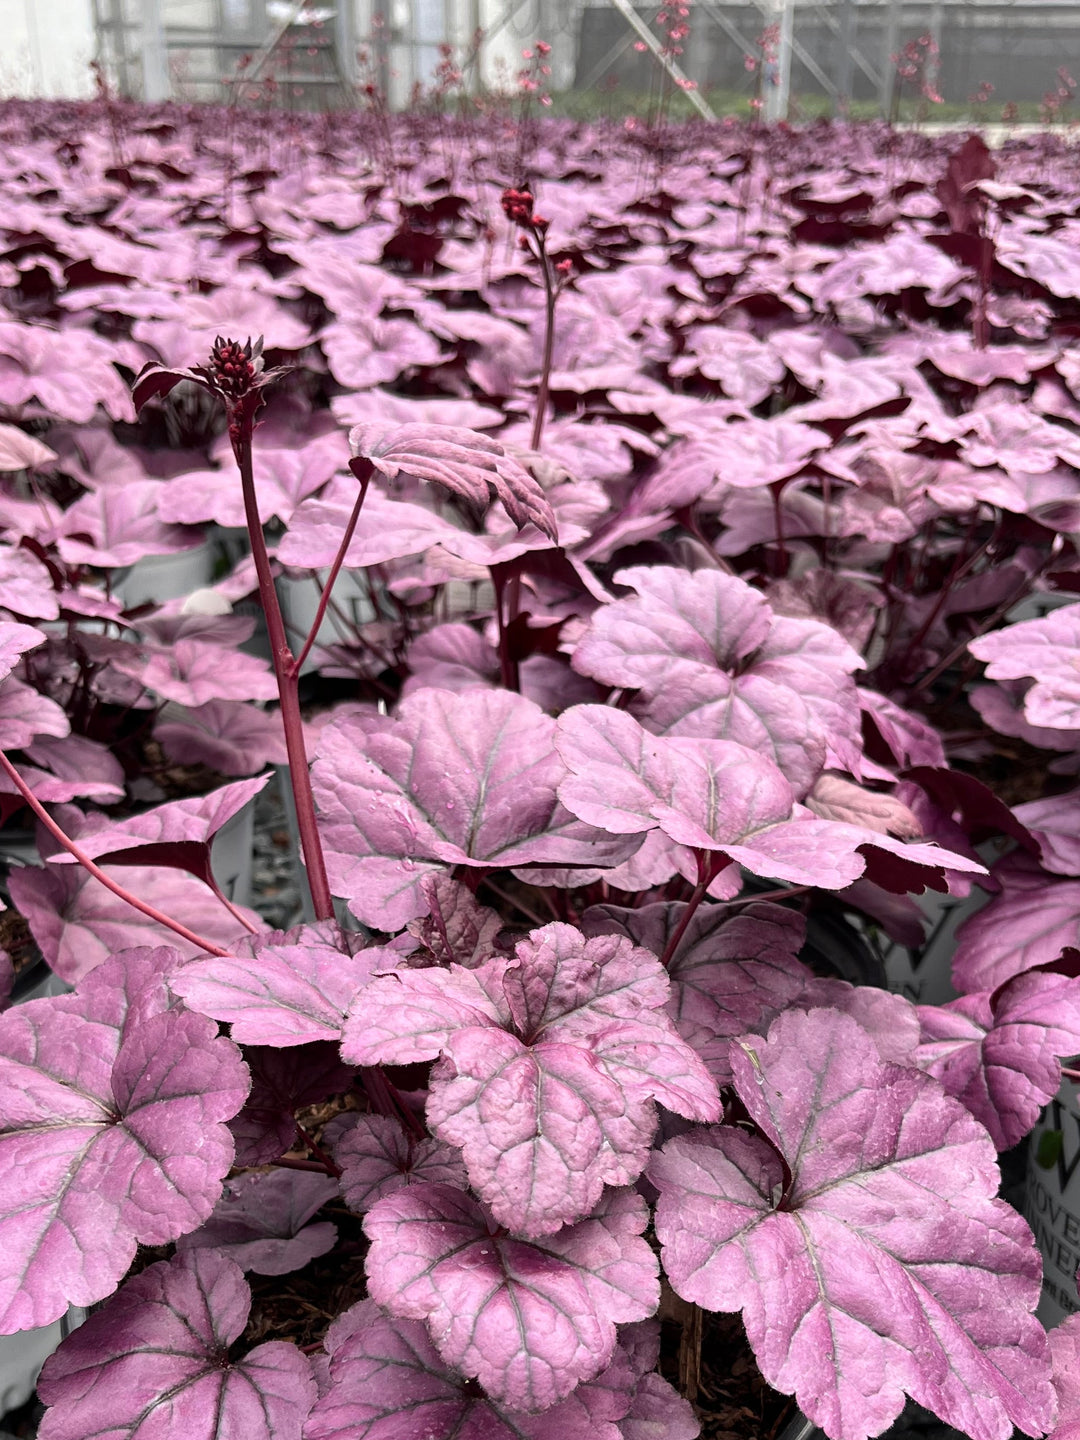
518	206
234	367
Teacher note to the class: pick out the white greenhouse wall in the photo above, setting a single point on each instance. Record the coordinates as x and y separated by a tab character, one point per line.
45	48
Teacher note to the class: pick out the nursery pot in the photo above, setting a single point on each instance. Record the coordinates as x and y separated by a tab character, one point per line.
23	1354
299	595
1052	1203
166	577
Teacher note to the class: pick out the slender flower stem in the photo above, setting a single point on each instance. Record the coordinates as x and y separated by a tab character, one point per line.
234	910
282	656
95	870
709	866
335	570
549	344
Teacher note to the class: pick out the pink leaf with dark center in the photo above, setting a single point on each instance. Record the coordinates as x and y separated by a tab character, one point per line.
377	1156
529	1320
387	1382
157	1357
112	1111
551	1062
860	1234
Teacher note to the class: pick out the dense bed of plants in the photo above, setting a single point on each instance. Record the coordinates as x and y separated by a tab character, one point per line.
684	487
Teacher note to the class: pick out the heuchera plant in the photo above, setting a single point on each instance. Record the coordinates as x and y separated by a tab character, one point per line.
652	714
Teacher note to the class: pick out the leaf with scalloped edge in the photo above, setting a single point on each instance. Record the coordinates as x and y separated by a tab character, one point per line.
15	640
378	1156
1044	650
112	1106
452	779
465	462
551	1063
387	1382
529	1319
715	795
711	659
155	1360
1028	923
999	1052
284	994
860	1235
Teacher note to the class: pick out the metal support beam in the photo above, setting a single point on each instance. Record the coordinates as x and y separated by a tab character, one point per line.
874	76
630	15
155	67
778	88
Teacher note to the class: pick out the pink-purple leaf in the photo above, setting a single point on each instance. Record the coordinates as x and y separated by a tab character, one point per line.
281	995
999	1052
229	736
284	478
19	451
194	672
78	923
860	1235
1054	823
119	526
457	928
261	1221
26	587
1032	919
465	462
732	970
155	1361
112	1133
15	640
550	1066
26	715
466	779
529	1320
378	1156
1045	650
387	1382
716	795
712	660
179	834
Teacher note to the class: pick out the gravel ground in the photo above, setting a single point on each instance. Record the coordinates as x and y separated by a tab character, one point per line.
275	875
